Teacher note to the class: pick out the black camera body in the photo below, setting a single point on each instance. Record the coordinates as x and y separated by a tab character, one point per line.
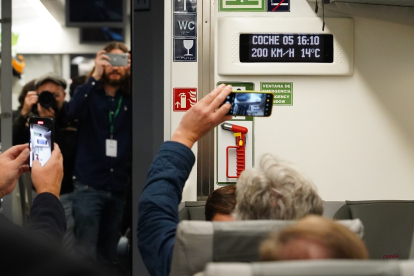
46	100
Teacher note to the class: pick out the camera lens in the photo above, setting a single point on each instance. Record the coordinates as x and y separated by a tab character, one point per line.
47	99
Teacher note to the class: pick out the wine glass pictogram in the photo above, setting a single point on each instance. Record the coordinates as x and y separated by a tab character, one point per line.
188	44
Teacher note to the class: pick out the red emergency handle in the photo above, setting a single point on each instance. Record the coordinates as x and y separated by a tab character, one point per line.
240	161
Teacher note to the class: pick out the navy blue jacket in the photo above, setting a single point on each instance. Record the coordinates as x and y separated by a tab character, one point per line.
91	105
158	206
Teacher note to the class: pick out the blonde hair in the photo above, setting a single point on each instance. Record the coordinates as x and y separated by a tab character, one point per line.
339	241
275	190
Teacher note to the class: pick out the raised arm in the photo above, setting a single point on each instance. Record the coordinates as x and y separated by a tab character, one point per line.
77	106
158	206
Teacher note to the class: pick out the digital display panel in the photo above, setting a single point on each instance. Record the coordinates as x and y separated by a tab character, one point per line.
42	142
276	47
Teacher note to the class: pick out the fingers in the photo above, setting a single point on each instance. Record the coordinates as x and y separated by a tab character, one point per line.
101	52
36	165
223	110
213	94
24	169
15	151
31	97
219	99
21	159
31	94
56	154
105	57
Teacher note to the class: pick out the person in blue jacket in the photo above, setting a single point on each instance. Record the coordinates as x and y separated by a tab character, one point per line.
158	206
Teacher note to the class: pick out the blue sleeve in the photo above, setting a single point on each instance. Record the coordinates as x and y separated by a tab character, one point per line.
78	105
158	205
47	218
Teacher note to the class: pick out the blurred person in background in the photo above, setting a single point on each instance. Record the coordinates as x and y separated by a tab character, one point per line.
53	106
75	82
103	106
220	204
30	86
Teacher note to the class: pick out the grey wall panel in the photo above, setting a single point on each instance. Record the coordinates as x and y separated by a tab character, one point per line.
148	103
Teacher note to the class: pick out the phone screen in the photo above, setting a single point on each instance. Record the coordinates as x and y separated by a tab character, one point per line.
244	103
41	140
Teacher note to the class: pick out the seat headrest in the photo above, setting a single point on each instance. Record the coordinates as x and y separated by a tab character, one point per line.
312	268
200	242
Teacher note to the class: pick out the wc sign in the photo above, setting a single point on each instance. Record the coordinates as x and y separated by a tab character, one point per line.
184	98
185	25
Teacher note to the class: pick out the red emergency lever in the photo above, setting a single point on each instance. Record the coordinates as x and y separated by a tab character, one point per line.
240	134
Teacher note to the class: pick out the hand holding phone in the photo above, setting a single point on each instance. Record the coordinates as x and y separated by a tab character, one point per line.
250	103
41	139
48	178
118	59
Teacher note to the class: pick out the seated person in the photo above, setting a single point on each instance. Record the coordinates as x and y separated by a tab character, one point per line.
275	190
158	206
313	237
220	204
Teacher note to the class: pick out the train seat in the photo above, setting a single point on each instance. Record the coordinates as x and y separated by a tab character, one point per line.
194	210
389	226
200	242
314	267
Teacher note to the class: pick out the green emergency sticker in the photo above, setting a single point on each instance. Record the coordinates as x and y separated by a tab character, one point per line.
282	91
242	5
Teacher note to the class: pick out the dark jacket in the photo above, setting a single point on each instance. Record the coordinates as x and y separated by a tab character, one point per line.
158	206
34	251
91	106
65	134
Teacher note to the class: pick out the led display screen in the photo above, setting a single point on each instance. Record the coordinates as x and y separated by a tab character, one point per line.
276	47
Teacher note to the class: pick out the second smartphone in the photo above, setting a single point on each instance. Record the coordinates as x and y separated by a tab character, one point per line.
41	139
250	103
118	59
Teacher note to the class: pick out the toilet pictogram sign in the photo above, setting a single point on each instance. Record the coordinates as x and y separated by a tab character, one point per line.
184	98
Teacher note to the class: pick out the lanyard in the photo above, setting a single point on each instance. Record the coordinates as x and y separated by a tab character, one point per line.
111	119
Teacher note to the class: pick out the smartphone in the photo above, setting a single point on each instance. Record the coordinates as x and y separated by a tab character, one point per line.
41	139
250	103
118	59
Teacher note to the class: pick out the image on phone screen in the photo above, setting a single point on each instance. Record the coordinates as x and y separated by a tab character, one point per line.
250	104
41	140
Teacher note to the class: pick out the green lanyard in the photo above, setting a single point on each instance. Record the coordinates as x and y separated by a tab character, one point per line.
111	119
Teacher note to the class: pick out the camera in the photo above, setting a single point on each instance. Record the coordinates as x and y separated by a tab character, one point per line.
46	100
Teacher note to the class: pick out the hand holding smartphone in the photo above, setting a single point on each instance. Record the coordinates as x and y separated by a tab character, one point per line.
118	59
250	103
41	139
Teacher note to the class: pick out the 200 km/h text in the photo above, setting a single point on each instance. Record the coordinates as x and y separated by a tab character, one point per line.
289	53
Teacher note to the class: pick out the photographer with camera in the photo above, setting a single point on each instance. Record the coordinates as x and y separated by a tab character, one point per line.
103	106
48	100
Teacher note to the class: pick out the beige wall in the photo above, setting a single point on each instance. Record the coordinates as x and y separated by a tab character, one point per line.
354	136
